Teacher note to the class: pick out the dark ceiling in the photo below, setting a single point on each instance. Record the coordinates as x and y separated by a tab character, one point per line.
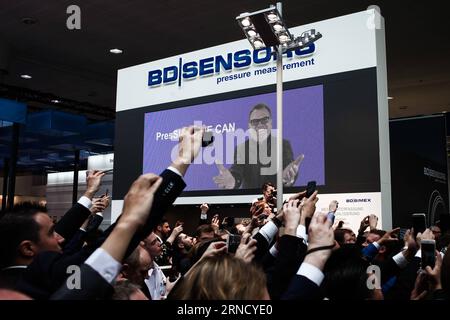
76	66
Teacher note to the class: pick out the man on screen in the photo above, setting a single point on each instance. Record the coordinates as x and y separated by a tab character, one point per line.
254	160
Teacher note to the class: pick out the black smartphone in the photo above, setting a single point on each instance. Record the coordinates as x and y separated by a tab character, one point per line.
428	248
310	188
419	222
208	138
233	242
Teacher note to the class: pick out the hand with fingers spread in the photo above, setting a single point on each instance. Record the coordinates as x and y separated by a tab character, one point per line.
215	222
93	181
291	171
291	214
246	249
225	179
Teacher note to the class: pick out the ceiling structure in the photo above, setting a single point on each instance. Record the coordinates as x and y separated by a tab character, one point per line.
76	67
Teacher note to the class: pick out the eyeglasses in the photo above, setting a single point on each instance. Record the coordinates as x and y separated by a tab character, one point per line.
256	122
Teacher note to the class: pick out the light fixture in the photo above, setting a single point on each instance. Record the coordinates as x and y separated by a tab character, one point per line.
116	51
266	28
25	76
55	101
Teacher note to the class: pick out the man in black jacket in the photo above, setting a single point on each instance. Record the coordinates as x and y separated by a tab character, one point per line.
27	231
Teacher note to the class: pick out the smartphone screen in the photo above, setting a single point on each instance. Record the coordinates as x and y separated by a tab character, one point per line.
428	253
233	242
310	188
419	223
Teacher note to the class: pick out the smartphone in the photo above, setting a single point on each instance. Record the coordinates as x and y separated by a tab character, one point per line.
233	242
208	138
108	171
310	188
419	223
428	248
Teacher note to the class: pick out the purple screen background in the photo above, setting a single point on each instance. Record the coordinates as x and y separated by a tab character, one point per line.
302	126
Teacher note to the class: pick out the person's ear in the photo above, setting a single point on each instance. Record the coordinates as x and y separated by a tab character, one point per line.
382	249
27	249
125	270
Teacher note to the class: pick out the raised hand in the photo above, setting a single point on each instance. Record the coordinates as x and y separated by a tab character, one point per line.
225	179
373	221
189	146
93	181
291	214
139	199
389	236
246	250
291	171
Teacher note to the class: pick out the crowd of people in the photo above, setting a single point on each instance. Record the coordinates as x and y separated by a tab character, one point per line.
294	253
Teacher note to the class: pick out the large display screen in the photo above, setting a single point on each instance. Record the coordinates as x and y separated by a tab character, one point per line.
331	120
235	124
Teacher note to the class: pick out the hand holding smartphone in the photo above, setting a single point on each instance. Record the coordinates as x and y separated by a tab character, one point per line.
310	188
233	242
419	223
428	248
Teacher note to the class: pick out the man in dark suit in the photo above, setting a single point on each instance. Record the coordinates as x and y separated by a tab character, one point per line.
250	170
28	230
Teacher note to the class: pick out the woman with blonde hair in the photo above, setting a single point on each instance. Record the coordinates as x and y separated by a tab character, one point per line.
222	277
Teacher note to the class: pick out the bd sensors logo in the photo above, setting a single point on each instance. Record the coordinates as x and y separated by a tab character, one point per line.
216	64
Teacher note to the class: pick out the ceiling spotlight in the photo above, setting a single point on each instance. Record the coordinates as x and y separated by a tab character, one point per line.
283	38
25	76
266	28
246	22
273	17
258	44
251	33
55	101
278	27
116	51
